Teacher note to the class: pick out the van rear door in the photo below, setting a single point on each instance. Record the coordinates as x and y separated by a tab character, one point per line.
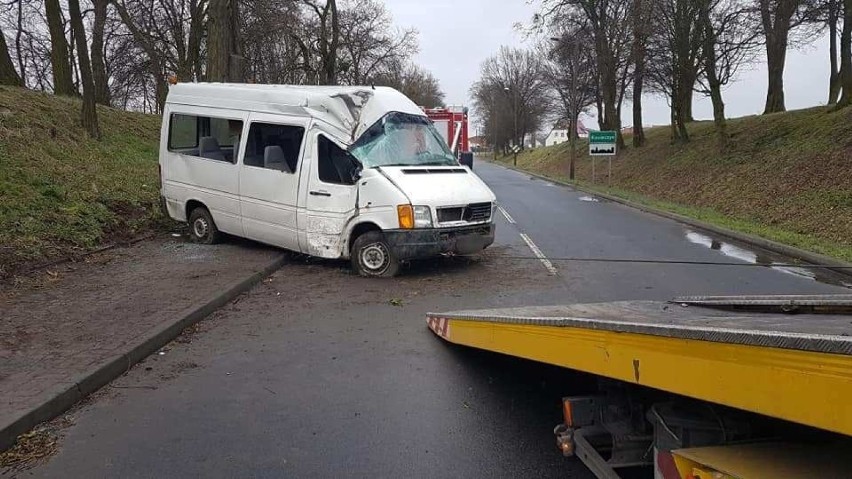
330	197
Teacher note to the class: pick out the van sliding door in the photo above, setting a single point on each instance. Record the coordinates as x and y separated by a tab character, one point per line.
269	178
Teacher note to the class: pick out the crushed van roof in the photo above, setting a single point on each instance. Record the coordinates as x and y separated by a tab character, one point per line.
352	109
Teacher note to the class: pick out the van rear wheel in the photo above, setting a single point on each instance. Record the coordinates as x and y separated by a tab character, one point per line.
202	228
372	256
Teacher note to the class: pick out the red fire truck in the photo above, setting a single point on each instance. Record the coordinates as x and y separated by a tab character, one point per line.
451	123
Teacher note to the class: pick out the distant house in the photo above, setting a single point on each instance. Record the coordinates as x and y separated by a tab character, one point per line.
533	141
478	141
559	133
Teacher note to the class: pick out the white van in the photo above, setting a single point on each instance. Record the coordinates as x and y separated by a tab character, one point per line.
333	172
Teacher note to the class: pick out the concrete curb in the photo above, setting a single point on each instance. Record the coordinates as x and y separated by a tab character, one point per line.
834	264
63	396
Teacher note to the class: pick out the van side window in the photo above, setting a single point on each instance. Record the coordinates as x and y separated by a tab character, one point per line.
334	164
207	137
274	146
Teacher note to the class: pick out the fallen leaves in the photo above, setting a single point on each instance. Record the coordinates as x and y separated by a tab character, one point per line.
30	449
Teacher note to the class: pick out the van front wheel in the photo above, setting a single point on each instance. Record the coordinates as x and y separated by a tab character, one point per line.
202	229
373	257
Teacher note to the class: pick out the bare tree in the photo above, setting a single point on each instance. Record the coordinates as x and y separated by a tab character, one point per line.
677	52
170	34
730	40
59	54
272	54
641	18
368	42
8	75
224	50
571	74
325	21
610	28
89	115
415	83
513	84
833	10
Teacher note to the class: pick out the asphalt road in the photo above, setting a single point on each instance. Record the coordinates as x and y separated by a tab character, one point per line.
317	373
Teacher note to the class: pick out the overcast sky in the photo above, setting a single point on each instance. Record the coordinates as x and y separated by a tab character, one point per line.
457	35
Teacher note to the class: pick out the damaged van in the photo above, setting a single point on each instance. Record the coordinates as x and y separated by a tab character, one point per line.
357	173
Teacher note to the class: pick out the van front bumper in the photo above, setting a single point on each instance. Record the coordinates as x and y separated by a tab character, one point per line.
429	242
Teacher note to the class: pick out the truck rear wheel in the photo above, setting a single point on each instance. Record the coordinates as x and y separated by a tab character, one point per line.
372	256
202	229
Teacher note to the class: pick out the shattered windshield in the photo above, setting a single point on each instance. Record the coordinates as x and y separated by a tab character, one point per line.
400	139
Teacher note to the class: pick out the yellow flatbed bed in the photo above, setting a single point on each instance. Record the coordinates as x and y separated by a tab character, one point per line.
796	367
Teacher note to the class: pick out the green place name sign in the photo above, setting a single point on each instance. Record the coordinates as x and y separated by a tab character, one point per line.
601	137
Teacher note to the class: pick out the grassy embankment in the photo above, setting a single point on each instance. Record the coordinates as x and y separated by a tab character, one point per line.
786	177
63	192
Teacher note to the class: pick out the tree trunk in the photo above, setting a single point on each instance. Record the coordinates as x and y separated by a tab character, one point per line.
161	88
572	142
775	19
846	56
639	39
22	68
673	118
834	74
8	75
98	68
681	112
709	50
330	46
775	57
687	105
224	59
638	74
59	57
90	112
610	98
196	33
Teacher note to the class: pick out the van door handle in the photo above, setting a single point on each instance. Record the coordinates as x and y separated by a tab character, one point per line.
320	193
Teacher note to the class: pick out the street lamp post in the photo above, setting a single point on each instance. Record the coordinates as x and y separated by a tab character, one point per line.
494	126
515	121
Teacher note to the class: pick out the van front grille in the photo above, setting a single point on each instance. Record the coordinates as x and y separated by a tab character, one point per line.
447	215
476	212
472	213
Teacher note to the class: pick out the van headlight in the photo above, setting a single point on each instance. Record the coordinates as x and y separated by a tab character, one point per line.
414	216
422	217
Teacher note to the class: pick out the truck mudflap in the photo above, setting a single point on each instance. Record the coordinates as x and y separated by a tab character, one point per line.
773	364
431	242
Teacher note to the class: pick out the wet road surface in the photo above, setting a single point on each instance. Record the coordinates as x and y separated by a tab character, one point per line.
318	373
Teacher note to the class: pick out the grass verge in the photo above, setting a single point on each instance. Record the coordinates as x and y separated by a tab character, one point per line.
64	192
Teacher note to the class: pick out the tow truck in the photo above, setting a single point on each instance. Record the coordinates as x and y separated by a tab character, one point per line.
713	387
452	124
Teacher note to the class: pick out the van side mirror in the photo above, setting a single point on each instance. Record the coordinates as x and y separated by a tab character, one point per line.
355	174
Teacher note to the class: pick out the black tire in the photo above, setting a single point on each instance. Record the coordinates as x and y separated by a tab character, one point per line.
202	228
372	257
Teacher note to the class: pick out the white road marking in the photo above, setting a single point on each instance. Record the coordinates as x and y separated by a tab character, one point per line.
546	262
506	215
